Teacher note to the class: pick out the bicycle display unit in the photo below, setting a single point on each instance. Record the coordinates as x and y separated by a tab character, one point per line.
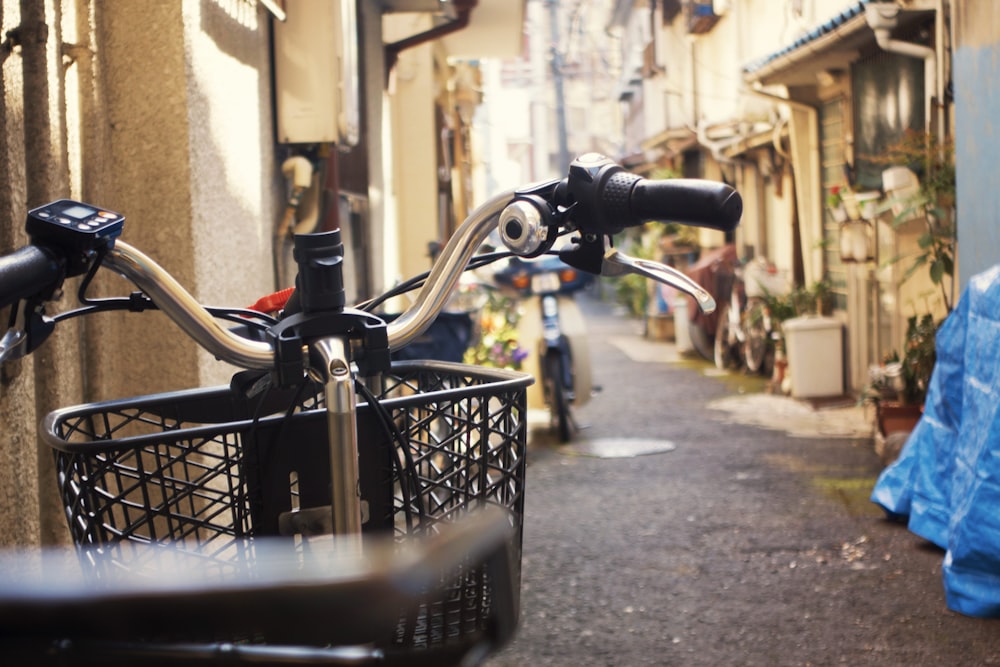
329	506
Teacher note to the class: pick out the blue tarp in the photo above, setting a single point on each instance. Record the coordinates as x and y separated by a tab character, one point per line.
946	481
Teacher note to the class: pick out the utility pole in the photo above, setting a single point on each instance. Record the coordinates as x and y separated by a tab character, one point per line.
557	77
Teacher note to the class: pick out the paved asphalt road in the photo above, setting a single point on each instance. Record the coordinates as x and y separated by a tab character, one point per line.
745	545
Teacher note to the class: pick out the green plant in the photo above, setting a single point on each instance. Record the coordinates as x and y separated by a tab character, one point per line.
631	290
933	160
905	378
918	358
817	299
680	235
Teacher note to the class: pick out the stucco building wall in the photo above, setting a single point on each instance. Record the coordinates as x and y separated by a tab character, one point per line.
162	113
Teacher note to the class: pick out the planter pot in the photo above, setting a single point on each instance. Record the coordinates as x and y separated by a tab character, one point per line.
839	213
660	327
897	417
855	241
868	204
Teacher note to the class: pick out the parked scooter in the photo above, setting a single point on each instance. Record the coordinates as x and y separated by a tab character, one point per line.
548	286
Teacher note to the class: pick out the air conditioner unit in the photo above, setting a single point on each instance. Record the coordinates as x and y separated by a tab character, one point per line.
316	73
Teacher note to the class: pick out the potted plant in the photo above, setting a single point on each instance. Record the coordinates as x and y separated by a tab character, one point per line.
816	299
835	202
899	395
933	160
899	385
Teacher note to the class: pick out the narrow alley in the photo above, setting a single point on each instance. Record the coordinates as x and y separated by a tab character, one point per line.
741	545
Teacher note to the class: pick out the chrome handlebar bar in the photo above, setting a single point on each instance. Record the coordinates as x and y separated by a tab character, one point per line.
447	271
178	304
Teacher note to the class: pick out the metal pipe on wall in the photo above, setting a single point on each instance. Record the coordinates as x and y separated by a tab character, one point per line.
56	366
38	142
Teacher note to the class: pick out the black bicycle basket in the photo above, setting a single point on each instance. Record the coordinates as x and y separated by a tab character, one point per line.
209	470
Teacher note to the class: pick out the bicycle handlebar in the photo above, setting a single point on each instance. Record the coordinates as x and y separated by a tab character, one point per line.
598	198
447	271
687	200
27	272
609	199
178	304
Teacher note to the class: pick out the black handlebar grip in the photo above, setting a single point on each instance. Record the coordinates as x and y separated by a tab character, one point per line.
606	199
691	201
30	271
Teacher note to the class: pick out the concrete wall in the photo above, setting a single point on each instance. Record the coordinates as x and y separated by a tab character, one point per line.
977	123
415	144
19	514
163	116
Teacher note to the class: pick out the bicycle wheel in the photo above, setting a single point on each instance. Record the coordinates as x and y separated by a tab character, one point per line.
726	347
558	400
757	349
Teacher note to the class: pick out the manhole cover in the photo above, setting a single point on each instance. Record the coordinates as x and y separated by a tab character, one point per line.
618	448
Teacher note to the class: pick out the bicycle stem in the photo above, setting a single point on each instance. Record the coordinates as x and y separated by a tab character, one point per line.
332	360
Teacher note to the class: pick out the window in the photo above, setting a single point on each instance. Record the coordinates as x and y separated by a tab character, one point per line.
888	91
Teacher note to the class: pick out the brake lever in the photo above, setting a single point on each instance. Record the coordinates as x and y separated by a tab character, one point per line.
28	330
616	263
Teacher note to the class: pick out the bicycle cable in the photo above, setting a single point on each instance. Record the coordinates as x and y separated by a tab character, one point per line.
417	281
412	497
138	302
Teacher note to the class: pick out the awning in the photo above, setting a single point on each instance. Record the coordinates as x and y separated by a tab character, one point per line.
831	45
731	139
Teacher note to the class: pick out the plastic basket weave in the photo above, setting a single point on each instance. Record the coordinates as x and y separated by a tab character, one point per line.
208	470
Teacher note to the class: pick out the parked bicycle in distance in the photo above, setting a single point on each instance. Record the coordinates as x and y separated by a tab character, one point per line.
746	333
325	507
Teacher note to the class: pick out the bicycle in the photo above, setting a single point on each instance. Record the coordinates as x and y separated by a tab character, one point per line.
224	478
746	333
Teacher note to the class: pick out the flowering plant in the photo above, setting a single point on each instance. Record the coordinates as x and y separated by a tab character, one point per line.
834	199
498	345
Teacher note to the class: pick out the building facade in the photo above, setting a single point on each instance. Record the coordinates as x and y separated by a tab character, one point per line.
792	102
